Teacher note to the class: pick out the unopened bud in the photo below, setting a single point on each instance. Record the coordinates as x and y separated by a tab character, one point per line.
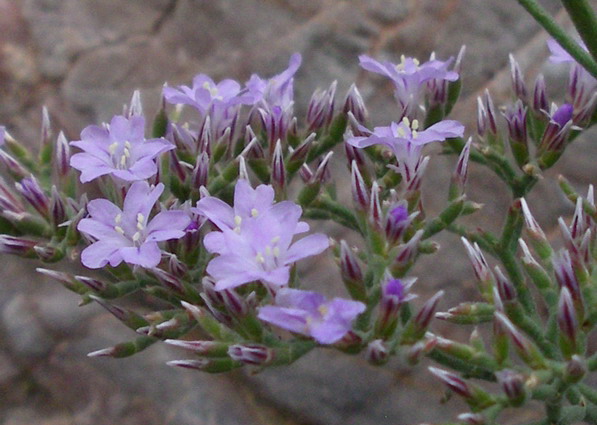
453	382
504	286
420	349
321	108
460	172
480	268
201	171
540	102
204	141
524	347
397	221
512	384
214	365
567	322
278	167
135	107
518	84
394	293
201	348
252	354
408	251
576	369
17	246
34	194
93	284
377	352
168	280
360	192
354	104
322	173
472	418
351	271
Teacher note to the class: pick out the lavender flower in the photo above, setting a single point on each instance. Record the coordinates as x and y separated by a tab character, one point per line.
309	313
410	77
119	149
128	235
406	141
559	54
205	93
256	237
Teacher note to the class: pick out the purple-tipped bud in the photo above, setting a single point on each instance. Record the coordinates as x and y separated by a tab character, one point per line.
505	288
375	214
516	118
306	174
482	122
556	133
397	221
518	85
377	352
491	114
177	267
252	354
213	365
360	192
453	382
461	171
8	200
17	246
178	168
349	265
300	153
322	174
566	277
423	318
512	384
278	167
538	238
204	141
201	348
93	284
524	347
201	170
62	155
354	104
420	349
472	418
243	173
567	321
34	194
354	127
253	150
480	268
57	208
394	293
408	251
540	102
104	352
321	107
580	221
48	253
13	166
576	369
136	107
234	303
46	128
169	281
352	153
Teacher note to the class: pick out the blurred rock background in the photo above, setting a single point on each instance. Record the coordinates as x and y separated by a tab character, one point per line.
83	59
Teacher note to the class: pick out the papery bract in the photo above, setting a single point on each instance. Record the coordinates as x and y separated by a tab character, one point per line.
309	313
128	235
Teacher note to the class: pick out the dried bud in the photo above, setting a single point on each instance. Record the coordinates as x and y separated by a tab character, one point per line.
538	238
377	352
420	349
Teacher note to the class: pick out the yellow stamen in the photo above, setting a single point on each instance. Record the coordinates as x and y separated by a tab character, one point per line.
415	125
136	236
254	212
112	148
119	229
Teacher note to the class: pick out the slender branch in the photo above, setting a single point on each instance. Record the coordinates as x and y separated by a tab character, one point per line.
585	22
549	24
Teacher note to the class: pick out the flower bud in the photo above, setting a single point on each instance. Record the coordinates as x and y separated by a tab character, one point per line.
278	167
566	277
576	369
300	153
377	352
516	118
177	267
201	171
57	208
201	348
34	194
128	317
215	365
524	347
538	238
321	108
420	349
481	269
505	288
168	280
375	206
352	153
423	318
394	292
306	174
460	174
93	284
567	323
62	155
360	192
204	140
354	105
351	271
136	107
512	384
252	354
17	246
234	303
322	173
472	418
397	221
540	102
518	85
453	382
408	251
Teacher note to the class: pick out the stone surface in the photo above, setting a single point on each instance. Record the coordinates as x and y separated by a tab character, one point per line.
84	58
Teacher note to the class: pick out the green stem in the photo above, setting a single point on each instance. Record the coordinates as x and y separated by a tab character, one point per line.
549	24
585	22
592	362
462	366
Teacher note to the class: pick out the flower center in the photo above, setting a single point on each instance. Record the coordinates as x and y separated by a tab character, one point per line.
412	126
402	65
269	258
213	90
120	154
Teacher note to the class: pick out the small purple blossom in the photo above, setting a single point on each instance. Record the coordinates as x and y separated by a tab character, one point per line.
410	77
406	141
309	313
119	149
129	235
255	242
559	54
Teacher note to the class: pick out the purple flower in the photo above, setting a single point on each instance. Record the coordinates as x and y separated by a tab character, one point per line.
559	54
410	76
406	141
119	149
309	313
255	242
205	93
128	235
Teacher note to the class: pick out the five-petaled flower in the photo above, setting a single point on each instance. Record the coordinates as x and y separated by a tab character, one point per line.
309	313
129	235
255	241
119	149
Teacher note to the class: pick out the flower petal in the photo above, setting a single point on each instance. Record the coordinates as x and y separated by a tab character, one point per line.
306	247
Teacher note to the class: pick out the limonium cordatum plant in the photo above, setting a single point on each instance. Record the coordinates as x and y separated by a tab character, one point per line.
211	220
